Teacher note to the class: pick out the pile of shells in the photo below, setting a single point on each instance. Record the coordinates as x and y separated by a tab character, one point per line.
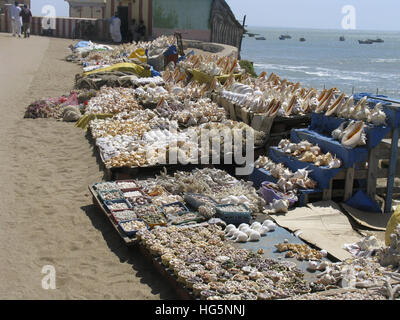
113	100
214	269
246	232
214	183
307	152
300	251
133	225
287	180
212	65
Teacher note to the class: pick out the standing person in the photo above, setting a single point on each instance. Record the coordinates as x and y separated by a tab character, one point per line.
111	24
26	15
16	19
116	29
141	30
132	31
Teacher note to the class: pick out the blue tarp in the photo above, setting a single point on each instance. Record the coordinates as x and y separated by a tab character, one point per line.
170	51
154	73
322	175
326	125
348	156
363	202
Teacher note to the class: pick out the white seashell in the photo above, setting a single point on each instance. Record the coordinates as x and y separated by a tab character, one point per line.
255	224
264	231
241	237
336	133
243	225
324	252
322	266
235	234
229	228
231	232
335	163
312	266
254	236
354	135
378	117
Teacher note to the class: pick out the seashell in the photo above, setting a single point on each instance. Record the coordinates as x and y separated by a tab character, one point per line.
378	117
234	234
264	231
301	174
283	143
312	266
336	105
308	156
229	228
324	253
335	163
280	206
322	266
241	237
254	236
243	225
255	224
337	132
354	135
347	108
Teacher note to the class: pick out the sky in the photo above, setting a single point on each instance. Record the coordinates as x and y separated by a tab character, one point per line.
316	14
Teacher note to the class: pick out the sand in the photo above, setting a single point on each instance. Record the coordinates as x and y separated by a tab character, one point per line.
46	213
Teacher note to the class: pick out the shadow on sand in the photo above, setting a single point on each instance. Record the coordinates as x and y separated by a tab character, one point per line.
145	270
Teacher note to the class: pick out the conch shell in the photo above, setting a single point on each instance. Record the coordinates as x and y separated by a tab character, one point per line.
378	117
332	109
354	135
347	108
336	133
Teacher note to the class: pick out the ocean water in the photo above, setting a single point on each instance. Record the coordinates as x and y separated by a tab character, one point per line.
324	61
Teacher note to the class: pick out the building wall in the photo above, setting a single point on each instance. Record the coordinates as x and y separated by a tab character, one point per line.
138	10
177	14
86	12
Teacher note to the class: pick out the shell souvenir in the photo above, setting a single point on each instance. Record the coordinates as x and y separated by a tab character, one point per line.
347	108
354	135
280	206
337	132
378	117
335	106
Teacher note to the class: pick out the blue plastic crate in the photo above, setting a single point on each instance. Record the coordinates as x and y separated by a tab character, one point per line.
102	193
131	233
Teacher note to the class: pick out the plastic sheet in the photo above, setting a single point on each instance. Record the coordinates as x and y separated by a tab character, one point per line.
326	125
124	67
348	156
363	202
322	175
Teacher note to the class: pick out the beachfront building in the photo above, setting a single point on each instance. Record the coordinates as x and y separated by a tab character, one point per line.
95	9
205	20
3	4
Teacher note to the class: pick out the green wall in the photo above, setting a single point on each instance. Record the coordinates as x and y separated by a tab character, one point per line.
182	14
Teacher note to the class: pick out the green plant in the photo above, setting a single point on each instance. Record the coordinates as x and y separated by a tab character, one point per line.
248	67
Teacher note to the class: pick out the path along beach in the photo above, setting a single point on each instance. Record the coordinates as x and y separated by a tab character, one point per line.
46	213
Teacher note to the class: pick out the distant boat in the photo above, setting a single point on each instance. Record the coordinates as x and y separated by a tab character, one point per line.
284	37
365	42
261	38
376	40
302	39
251	34
342	38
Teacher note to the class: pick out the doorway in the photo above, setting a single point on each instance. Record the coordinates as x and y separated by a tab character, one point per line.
123	16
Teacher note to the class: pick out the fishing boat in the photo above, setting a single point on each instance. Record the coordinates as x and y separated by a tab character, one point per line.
302	39
342	38
365	42
284	37
261	38
377	40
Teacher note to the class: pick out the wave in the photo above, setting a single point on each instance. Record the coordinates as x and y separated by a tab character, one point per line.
332	74
394	60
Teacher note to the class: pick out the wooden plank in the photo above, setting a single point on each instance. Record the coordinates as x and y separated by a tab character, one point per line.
349	182
392	170
373	162
327	193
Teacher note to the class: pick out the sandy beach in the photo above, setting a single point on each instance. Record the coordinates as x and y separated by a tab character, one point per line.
47	216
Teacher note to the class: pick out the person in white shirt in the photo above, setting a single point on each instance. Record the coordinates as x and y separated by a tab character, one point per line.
16	22
116	29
